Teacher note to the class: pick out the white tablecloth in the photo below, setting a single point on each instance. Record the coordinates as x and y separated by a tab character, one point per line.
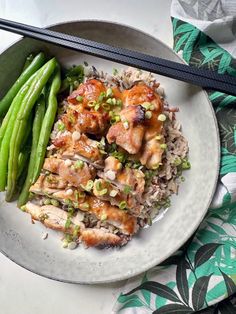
20	290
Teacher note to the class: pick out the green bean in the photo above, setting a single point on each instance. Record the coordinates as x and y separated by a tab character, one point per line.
6	131
25	75
10	117
19	128
23	157
23	167
37	124
47	123
28	61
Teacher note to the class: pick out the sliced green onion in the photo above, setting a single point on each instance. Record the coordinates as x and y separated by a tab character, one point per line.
136	165
186	164
76	231
161	117
115	119
113	101
115	71
71	118
103	192
97	106
81	194
68	223
149	221
101	96
109	92
85	205
103	217
43	217
128	165
79	98
61	126
163	146
76	204
92	103
109	101
158	137
55	203
127	189
119	102
103	152
148	114
122	205
177	161
23	208
146	105
121	156
106	106
88	187
47	201
76	194
68	202
65	244
98	185
79	164
102	141
68	237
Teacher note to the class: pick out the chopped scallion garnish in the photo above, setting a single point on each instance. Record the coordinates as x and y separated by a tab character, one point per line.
148	114
79	164
127	189
122	205
163	146
79	98
54	202
109	92
161	117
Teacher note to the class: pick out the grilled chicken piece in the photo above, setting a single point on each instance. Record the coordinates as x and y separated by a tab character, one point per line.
85	121
90	91
52	217
151	152
115	196
75	196
71	145
134	178
100	238
49	183
55	218
139	94
69	171
111	214
62	193
129	132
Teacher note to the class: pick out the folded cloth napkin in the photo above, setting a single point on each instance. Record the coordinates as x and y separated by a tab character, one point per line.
203	273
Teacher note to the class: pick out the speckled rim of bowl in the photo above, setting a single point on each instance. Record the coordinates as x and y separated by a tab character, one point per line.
187	233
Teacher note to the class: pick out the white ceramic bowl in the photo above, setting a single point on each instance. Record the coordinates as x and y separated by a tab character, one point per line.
21	241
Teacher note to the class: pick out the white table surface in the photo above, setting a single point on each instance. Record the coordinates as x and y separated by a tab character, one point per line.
24	292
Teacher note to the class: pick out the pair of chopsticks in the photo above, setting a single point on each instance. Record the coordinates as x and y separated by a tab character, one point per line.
205	78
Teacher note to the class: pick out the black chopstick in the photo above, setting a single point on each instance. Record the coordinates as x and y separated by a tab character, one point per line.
204	78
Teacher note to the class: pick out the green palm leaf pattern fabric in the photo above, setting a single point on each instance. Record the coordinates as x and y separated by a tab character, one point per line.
203	273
